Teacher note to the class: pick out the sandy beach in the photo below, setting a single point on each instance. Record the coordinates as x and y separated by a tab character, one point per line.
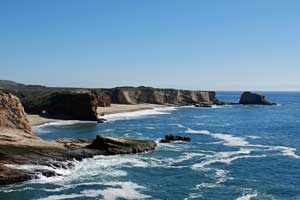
119	108
35	120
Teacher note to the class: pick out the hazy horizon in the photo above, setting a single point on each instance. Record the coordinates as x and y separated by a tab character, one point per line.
199	45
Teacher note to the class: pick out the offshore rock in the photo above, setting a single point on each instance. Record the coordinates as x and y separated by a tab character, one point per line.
249	98
171	137
113	145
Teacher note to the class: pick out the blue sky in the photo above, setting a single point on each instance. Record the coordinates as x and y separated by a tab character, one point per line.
193	44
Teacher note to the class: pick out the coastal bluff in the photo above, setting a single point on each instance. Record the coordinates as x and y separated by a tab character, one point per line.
20	146
82	103
137	95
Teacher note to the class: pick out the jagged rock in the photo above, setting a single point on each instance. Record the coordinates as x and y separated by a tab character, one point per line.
12	115
171	137
249	98
9	175
113	145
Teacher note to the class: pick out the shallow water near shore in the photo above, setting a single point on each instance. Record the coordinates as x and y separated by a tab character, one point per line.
236	152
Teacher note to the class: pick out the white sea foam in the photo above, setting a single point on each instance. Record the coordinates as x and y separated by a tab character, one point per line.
178	125
104	167
193	196
247	197
234	141
113	190
219	106
206	185
62	197
229	140
253	137
40	128
224	157
128	190
287	151
139	113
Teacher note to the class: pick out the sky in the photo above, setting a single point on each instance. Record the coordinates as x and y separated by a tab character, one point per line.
192	44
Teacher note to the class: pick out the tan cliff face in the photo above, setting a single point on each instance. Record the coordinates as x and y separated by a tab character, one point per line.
15	130
12	115
162	96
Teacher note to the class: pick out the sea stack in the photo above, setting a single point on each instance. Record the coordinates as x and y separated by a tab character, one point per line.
249	98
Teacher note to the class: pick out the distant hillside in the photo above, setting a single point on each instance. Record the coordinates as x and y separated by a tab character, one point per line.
10	84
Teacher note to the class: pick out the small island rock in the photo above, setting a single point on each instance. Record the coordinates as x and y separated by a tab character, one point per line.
249	98
171	137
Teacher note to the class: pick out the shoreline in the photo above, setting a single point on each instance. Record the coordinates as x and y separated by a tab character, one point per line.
36	120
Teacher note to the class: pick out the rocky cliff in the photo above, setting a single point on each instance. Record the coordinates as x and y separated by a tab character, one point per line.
132	95
71	105
18	145
12	115
59	103
78	103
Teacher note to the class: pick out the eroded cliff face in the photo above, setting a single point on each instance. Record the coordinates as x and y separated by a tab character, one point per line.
12	115
162	96
72	105
61	104
19	145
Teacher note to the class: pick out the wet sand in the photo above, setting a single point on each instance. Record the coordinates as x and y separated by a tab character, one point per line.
119	108
35	120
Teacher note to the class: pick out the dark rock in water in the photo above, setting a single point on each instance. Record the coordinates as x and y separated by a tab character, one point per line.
113	145
204	105
249	98
46	172
101	120
171	137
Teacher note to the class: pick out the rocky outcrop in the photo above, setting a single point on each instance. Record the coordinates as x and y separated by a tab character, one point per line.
12	115
10	176
18	145
171	137
249	98
129	95
72	105
113	146
79	105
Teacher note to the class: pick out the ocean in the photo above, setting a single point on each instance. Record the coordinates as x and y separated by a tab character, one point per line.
236	153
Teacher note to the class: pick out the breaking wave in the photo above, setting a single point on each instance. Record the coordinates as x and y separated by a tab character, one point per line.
234	141
139	113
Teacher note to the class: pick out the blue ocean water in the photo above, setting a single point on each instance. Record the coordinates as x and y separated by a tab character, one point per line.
236	152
